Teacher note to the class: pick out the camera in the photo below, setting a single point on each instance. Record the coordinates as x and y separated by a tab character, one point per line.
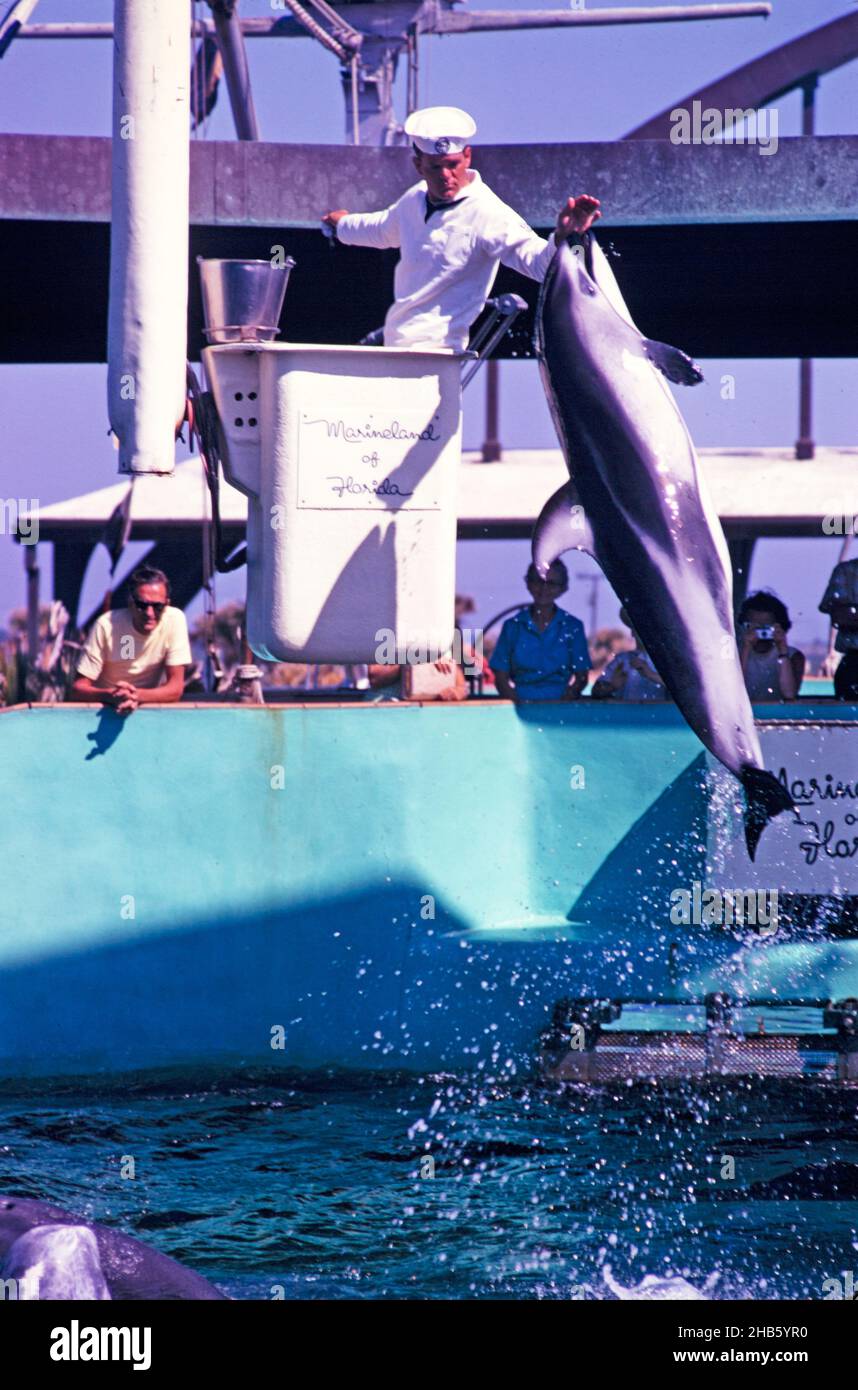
765	634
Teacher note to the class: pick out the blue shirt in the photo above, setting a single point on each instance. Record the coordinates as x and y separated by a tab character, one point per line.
636	687
541	663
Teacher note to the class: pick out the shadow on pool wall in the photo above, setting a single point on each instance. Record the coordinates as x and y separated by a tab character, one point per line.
400	887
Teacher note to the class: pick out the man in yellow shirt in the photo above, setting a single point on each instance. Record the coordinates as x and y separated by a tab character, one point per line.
130	650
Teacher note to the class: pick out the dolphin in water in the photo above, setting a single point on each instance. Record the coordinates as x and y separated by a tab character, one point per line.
54	1255
56	1262
654	1289
636	503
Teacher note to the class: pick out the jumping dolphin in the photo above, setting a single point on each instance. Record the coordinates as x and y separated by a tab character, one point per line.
636	503
54	1255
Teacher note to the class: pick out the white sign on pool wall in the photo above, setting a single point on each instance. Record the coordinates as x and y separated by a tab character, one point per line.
353	457
813	852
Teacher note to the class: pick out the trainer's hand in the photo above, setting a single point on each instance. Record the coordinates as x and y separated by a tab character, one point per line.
576	216
332	218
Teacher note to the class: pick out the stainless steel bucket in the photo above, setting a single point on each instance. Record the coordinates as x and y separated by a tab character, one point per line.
242	300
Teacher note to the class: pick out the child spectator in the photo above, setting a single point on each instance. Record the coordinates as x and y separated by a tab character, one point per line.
630	675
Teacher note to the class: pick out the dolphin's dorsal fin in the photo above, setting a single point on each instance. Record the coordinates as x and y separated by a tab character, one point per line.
675	364
561	526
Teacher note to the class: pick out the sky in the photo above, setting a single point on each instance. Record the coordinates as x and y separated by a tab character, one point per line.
537	86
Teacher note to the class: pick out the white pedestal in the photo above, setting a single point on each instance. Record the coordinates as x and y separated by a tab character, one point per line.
348	459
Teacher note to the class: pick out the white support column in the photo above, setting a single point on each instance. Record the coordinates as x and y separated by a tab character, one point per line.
149	234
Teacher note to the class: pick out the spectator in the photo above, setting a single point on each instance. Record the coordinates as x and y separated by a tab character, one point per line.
631	675
427	680
840	600
542	653
438	680
773	670
130	650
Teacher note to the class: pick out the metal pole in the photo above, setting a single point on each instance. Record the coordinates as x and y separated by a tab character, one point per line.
412	96
13	21
492	451
355	104
199	29
497	20
31	562
452	23
231	44
804	447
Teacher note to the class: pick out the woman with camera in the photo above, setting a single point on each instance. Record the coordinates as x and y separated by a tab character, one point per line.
773	670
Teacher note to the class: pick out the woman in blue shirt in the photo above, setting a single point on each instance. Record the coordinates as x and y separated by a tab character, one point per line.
542	653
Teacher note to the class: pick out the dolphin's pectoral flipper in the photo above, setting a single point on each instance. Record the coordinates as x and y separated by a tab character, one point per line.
673	362
561	526
56	1262
766	798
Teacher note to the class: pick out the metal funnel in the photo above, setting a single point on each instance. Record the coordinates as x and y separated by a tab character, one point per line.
242	300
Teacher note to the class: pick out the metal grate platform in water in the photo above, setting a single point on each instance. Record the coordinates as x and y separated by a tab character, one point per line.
679	1056
583	1046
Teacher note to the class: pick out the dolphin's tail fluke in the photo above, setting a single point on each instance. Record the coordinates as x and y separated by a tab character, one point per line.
766	797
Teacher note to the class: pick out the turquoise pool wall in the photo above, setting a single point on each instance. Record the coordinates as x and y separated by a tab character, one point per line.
390	886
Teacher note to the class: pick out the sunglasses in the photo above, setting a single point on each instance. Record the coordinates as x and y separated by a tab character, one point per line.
157	608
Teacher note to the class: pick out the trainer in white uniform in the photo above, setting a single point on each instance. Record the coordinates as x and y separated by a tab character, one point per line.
452	232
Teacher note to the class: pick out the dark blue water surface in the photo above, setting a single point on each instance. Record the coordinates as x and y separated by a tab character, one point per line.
311	1187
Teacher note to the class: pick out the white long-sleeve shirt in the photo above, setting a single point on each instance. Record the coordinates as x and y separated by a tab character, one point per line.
448	261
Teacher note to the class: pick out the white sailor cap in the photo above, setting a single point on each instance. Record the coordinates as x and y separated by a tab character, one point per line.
440	129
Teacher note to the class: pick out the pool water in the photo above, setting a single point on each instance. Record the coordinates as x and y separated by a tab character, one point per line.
277	1186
